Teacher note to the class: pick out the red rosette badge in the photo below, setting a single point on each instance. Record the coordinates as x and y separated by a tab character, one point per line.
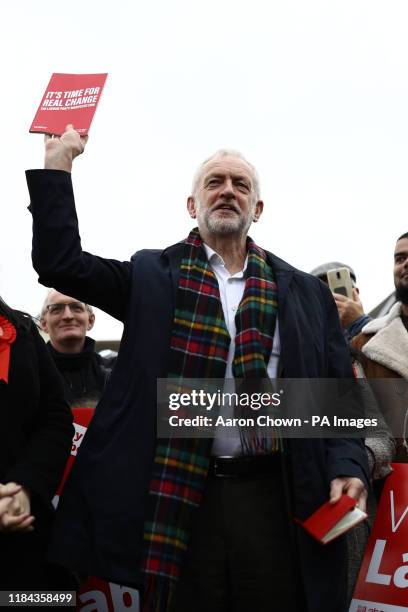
7	337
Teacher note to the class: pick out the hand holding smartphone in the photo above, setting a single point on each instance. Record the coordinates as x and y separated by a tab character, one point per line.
339	281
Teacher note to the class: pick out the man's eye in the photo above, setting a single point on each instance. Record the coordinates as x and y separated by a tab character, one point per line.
243	186
77	308
213	182
56	309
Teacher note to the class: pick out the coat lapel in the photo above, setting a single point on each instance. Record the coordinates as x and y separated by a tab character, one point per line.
284	274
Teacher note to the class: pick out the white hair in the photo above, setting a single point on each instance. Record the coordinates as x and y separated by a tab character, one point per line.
228	153
44	306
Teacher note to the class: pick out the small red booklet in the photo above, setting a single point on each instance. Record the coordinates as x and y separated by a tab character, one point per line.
331	520
69	98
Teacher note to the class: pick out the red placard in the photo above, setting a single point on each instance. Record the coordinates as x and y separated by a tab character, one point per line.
82	418
69	98
382	584
100	596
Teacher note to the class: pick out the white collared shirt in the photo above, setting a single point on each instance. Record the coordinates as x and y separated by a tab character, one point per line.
231	289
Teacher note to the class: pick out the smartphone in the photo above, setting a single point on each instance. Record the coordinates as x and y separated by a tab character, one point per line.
339	281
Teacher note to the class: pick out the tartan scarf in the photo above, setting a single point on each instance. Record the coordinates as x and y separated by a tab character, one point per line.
199	349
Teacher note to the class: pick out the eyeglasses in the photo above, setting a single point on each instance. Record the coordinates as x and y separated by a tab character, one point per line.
74	307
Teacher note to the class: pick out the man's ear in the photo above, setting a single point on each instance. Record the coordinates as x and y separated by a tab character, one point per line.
192	207
44	326
91	321
258	210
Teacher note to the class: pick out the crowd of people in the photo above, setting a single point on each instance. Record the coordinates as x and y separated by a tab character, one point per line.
193	523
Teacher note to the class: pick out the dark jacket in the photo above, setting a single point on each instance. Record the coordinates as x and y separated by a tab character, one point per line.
36	421
102	512
35	443
84	374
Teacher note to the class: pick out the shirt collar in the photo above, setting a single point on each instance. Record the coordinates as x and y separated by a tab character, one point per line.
214	259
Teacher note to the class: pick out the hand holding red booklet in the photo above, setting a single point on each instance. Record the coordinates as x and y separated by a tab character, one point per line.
69	98
331	520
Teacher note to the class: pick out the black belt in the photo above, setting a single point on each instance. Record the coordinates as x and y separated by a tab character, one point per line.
254	465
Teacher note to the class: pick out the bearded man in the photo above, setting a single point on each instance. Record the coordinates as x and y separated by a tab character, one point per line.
199	524
383	352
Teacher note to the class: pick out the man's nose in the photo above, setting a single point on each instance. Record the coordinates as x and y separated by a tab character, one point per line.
404	266
228	188
67	312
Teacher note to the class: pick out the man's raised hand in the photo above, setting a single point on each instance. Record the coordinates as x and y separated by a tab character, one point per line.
349	309
60	151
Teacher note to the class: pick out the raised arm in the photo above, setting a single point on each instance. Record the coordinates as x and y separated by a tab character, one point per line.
57	253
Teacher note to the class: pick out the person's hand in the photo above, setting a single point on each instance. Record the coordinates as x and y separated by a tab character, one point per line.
4	504
349	310
60	151
354	487
9	489
16	516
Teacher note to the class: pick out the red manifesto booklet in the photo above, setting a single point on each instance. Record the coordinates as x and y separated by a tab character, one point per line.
331	520
69	98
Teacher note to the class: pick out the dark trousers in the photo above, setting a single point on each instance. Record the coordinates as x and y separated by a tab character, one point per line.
241	557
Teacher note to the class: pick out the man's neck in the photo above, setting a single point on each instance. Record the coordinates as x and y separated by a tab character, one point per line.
69	346
404	309
232	249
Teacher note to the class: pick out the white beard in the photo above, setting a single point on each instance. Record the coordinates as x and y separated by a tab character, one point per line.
223	226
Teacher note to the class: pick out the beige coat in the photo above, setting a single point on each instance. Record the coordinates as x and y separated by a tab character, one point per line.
382	349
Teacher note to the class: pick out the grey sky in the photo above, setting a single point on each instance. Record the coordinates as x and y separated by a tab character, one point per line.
314	93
